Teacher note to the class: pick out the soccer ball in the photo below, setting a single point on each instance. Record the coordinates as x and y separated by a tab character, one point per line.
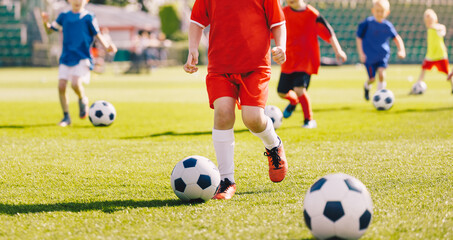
383	99
338	206
102	113
419	88
195	178
275	114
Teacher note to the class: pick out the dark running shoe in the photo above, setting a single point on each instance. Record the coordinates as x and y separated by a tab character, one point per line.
289	110
278	166
367	94
226	191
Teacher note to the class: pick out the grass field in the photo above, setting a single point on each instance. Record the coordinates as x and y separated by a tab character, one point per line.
83	182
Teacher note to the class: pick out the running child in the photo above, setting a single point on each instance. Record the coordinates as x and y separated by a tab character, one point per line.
239	72
304	25
79	30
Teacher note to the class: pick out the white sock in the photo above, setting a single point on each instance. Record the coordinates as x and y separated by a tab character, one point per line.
224	151
381	85
366	85
268	136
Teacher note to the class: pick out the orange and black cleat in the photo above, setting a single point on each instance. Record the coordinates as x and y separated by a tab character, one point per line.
227	189
278	166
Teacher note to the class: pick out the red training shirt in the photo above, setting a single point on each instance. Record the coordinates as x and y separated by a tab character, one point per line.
239	37
302	47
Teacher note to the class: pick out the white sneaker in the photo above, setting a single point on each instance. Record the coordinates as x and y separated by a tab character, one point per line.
310	124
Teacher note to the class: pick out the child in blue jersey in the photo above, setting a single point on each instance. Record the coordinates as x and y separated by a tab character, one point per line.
79	30
373	36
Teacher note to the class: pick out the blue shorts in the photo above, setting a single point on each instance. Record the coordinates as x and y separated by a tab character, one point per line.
371	68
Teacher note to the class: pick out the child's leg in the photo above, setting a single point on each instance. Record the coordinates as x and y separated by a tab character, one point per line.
223	136
261	126
305	103
422	75
78	88
382	74
62	83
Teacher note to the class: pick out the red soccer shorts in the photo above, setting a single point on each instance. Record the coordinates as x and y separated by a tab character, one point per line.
249	89
441	65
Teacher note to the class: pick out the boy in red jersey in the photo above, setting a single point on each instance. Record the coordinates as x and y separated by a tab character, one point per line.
239	71
304	24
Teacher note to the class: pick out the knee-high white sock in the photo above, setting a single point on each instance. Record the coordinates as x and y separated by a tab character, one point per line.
224	151
366	85
268	136
381	85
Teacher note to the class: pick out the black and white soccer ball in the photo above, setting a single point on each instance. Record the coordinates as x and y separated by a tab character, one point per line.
101	113
195	178
338	206
275	114
383	99
419	88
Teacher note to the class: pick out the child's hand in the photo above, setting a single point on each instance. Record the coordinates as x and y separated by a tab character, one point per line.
278	55
45	17
192	61
401	54
362	57
341	56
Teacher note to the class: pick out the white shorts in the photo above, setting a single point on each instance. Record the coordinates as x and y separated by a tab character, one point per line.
81	70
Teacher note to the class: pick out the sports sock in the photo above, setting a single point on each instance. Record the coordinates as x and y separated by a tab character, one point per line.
381	85
367	85
306	106
268	136
65	114
224	150
292	97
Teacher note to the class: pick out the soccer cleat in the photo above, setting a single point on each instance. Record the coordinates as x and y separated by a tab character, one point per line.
278	166
310	124
289	110
66	121
367	94
83	107
226	190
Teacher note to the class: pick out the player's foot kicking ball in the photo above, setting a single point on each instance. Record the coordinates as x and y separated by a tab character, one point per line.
83	107
227	189
278	166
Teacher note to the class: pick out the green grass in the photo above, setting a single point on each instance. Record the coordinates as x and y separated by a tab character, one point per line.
83	182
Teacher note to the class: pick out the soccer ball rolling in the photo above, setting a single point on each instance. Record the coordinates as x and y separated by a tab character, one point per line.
195	178
102	113
419	88
383	99
275	114
338	206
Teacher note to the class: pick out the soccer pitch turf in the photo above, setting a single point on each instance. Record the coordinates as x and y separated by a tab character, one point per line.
82	182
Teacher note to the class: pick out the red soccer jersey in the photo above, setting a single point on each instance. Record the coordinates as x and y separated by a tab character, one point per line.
240	32
302	48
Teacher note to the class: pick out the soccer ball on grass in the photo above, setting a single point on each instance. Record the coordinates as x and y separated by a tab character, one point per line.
275	114
101	113
419	88
383	99
338	206
195	178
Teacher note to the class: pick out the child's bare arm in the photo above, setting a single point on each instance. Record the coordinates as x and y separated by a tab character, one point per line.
400	46
339	53
441	29
279	51
195	33
362	55
107	45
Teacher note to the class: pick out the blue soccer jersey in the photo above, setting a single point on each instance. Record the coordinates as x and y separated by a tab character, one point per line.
79	30
375	39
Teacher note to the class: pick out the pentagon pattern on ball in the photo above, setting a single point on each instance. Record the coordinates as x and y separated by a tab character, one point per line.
337	206
195	178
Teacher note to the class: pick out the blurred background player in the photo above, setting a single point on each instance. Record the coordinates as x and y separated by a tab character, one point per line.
79	29
436	54
304	25
239	72
373	36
